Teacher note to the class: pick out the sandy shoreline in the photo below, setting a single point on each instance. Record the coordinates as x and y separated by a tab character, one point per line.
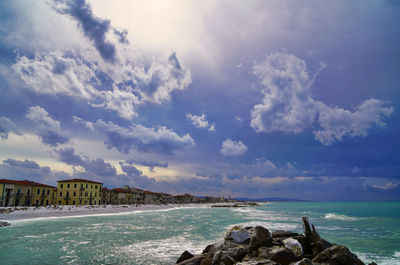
29	213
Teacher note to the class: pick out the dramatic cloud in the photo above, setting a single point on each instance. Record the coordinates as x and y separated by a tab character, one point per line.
22	164
288	105
97	166
7	126
48	129
161	139
233	148
130	169
337	123
201	121
94	28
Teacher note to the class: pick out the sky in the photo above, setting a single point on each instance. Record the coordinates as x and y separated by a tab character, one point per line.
289	99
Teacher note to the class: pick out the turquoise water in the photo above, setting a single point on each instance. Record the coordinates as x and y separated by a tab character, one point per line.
371	230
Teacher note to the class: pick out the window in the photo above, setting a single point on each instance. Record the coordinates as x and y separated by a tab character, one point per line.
68	185
73	202
37	202
61	185
85	194
81	186
67	193
29	192
75	185
47	202
74	194
91	186
95	187
86	185
19	192
38	191
48	192
60	193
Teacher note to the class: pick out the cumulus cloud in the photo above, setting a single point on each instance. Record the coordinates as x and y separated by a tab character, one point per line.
387	186
7	126
130	169
288	104
233	148
337	122
48	129
145	139
93	27
201	122
96	166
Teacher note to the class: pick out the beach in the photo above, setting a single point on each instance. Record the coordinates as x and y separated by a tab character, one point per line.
11	214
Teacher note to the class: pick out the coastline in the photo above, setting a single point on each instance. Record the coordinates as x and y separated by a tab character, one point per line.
43	212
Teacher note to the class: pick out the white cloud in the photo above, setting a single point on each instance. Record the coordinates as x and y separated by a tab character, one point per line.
337	123
201	121
387	186
288	105
48	129
233	148
136	136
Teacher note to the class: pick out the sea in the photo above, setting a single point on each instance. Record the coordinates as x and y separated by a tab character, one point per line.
371	230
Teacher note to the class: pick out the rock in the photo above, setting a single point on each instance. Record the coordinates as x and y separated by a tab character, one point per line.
238	234
293	245
313	238
206	261
284	234
222	257
185	255
196	260
281	255
207	249
304	261
260	238
258	262
2	223
372	263
337	255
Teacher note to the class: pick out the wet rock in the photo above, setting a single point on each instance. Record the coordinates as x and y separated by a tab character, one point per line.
260	237
258	262
238	234
283	234
2	223
185	256
304	261
293	245
337	255
313	238
281	255
223	258
196	260
207	249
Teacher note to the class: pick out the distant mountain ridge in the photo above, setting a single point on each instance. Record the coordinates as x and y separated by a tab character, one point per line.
271	200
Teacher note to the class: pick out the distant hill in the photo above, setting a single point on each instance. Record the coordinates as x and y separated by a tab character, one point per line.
271	200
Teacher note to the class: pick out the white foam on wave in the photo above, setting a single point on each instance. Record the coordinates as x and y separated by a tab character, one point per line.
341	217
163	250
254	213
269	225
381	260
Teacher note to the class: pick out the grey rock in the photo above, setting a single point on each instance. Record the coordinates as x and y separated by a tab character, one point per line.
294	245
337	255
304	261
238	234
185	256
260	237
258	262
196	260
2	223
281	255
283	234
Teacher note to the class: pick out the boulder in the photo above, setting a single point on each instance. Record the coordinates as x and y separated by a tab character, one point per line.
281	255
238	234
2	223
222	257
185	255
258	262
315	241
337	255
196	260
293	245
260	237
283	234
304	261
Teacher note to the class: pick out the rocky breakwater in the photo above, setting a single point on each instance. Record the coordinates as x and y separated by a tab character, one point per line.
257	246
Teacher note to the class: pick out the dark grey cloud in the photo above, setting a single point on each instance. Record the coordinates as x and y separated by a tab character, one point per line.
130	169
22	164
48	129
93	27
7	126
150	164
28	169
122	35
97	166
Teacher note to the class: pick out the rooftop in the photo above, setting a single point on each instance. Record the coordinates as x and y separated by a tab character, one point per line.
80	180
24	182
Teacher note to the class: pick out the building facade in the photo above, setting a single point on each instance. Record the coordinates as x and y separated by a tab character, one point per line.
25	193
79	192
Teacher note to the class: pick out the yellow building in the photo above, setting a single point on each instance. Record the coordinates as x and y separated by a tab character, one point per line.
25	193
78	192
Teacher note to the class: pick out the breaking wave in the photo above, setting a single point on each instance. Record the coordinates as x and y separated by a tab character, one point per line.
340	217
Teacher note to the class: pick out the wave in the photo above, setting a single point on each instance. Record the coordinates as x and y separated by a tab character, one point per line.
340	217
381	260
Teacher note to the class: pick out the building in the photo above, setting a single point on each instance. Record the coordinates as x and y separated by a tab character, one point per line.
151	197
79	192
109	196
124	196
185	198
25	193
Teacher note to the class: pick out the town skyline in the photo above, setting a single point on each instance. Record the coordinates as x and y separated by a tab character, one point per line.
256	99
